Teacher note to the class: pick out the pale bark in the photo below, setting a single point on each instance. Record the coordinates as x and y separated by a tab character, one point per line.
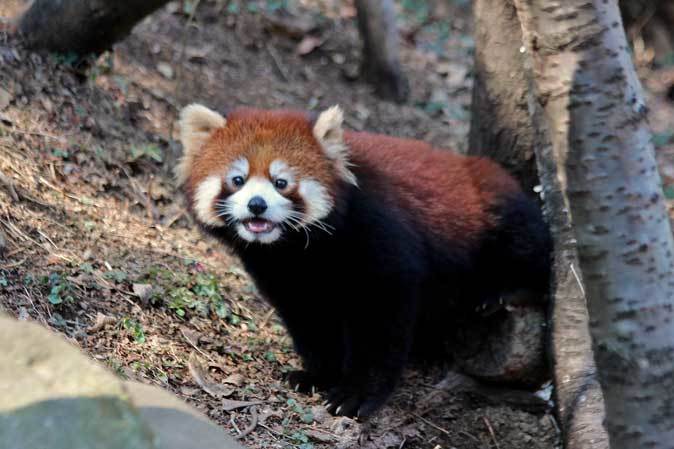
82	26
500	125
586	84
578	396
508	126
381	58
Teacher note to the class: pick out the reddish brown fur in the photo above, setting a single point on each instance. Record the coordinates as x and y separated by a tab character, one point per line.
261	137
449	193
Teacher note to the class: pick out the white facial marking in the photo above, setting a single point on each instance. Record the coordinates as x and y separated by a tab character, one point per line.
204	197
239	167
280	213
317	199
277	205
278	208
279	169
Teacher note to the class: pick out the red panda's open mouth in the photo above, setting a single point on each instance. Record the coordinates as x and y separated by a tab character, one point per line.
259	225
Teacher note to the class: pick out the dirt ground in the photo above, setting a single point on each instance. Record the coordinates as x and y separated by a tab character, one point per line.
95	242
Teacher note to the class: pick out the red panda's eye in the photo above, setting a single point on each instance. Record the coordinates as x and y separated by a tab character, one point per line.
237	181
281	184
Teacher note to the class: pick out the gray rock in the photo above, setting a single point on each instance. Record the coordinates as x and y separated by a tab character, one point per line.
177	425
53	397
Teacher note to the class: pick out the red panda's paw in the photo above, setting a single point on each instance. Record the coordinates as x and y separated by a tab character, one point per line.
305	382
353	403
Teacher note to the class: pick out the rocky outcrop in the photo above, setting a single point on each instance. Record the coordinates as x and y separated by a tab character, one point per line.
53	397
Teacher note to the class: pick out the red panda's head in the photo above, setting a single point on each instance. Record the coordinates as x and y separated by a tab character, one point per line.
262	173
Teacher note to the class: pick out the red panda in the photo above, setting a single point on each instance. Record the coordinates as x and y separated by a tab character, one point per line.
371	248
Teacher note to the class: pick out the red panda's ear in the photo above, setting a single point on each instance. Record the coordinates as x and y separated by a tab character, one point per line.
197	123
329	133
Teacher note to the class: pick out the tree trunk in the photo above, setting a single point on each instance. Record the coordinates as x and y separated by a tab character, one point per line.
82	26
578	396
500	126
381	60
587	86
508	126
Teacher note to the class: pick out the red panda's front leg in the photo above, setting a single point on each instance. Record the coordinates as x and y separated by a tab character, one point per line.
319	344
378	342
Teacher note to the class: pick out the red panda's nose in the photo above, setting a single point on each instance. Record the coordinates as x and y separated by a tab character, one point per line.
257	205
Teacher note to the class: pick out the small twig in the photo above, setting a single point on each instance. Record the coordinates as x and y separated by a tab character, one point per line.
233	423
472	437
272	431
13	264
18	233
491	431
435	426
10	186
196	347
17	193
34	133
69	195
32	303
580	284
277	62
47	238
266	317
252	425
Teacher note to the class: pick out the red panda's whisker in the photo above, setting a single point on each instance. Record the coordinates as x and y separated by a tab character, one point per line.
320	225
294	225
306	232
316	223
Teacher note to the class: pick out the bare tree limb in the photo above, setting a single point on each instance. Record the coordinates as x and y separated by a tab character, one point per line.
381	59
82	26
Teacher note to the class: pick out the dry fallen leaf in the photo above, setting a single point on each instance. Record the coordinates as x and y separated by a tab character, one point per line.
308	44
143	291
5	98
190	335
234	379
101	321
165	69
200	376
188	391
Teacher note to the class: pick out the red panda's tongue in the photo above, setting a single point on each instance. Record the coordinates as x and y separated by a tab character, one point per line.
259	225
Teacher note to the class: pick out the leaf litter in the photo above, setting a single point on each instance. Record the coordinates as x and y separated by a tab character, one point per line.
97	244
